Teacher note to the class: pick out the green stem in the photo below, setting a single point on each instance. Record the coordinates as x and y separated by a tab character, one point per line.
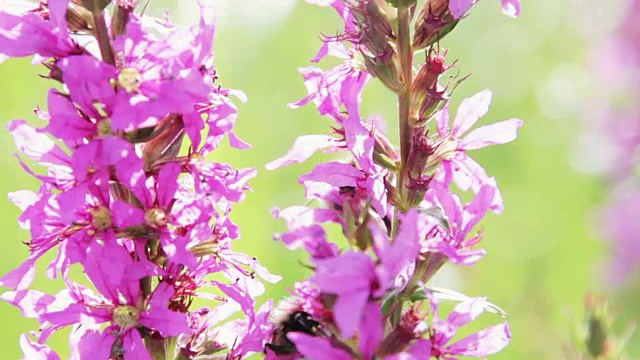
102	36
406	66
404	102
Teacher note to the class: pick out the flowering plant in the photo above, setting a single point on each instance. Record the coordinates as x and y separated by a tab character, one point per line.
127	195
396	207
126	192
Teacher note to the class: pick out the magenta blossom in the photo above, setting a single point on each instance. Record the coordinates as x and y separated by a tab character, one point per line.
118	305
452	239
354	276
26	32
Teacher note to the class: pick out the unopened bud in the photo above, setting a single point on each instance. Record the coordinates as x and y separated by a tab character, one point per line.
417	181
410	327
430	264
121	16
433	24
427	94
123	193
95	6
54	71
376	40
166	143
385	67
79	19
384	147
422	148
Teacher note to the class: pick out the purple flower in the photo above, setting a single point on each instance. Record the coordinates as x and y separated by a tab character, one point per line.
451	240
118	305
482	343
457	166
24	32
331	89
305	232
460	7
354	276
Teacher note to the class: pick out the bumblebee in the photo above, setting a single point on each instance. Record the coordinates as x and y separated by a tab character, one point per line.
297	321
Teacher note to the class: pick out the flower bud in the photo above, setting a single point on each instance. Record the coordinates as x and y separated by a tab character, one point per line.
95	6
121	16
433	24
54	71
430	265
376	41
79	19
410	327
167	142
385	67
427	94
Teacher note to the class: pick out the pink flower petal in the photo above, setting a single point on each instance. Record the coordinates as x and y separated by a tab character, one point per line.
483	343
459	7
317	348
470	110
35	351
493	134
511	7
303	148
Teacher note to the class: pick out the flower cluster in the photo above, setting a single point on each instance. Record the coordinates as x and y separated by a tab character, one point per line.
613	135
396	207
126	192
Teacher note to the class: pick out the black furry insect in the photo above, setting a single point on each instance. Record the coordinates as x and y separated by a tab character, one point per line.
297	321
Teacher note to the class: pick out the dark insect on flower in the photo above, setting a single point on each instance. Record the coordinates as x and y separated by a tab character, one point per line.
297	321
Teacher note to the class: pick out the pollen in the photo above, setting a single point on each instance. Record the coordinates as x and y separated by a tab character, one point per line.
104	128
101	218
156	218
126	316
129	79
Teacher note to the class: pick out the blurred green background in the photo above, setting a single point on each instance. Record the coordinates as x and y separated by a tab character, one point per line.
543	254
